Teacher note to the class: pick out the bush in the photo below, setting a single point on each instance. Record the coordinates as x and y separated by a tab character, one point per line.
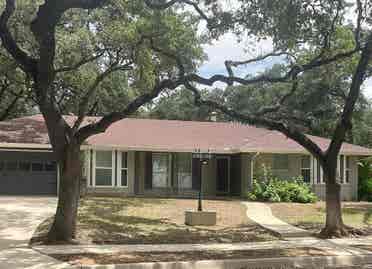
365	180
276	190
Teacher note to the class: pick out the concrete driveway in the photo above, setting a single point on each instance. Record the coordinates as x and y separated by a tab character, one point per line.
19	217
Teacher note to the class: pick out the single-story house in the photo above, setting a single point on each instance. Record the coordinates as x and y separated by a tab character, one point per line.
155	157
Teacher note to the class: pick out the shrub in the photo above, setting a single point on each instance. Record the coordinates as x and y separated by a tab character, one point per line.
276	190
365	180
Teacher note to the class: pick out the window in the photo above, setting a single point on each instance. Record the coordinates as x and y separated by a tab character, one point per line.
2	165
50	166
11	166
103	168
160	170
123	169
305	168
37	166
183	170
25	166
280	162
347	170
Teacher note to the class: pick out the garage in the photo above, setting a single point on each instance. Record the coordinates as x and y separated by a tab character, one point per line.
27	173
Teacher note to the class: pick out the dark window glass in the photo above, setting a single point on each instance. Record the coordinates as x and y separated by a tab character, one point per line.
50	166
103	177
24	166
2	165
124	178
306	175
37	167
124	160
12	166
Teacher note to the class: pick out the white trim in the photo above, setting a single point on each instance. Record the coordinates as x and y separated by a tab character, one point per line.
119	169
112	170
281	151
345	171
25	146
321	174
306	168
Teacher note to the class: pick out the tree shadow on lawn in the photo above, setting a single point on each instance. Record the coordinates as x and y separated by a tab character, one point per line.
354	214
104	220
110	225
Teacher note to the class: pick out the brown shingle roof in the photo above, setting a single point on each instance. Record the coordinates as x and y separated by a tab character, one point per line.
170	135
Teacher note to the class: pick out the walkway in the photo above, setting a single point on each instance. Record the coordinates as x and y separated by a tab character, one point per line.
262	215
19	218
341	254
338	246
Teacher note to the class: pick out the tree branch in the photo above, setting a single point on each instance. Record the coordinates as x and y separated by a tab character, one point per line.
229	64
27	63
79	63
164	5
344	125
292	73
101	126
288	131
84	103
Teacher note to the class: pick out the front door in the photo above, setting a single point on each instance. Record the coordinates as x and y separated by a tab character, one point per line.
223	175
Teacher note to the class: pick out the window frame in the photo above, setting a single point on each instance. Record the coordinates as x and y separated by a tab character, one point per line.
347	170
176	170
120	169
168	171
317	172
307	168
101	167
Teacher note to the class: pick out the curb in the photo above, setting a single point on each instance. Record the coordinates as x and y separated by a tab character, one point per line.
316	262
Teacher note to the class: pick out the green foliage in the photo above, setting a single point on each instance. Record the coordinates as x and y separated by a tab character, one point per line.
365	180
276	190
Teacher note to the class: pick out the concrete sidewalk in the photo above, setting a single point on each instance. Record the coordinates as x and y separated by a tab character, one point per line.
19	218
341	253
262	215
339	246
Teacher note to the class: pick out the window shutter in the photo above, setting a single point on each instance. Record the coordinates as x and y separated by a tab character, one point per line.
195	174
148	170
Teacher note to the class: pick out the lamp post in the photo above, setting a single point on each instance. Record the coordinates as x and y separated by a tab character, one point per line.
203	160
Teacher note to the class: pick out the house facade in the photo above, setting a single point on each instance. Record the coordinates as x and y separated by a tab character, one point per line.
140	157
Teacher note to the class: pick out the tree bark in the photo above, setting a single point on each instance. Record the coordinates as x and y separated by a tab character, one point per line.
64	224
334	223
334	226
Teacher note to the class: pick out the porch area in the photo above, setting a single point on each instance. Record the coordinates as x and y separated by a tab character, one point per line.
178	174
181	175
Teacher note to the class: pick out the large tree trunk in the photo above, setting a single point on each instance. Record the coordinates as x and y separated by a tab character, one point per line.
334	226
64	225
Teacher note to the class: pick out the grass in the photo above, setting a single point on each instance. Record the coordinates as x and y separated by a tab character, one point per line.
114	220
312	216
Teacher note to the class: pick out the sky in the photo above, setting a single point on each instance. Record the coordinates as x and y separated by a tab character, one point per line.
228	48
